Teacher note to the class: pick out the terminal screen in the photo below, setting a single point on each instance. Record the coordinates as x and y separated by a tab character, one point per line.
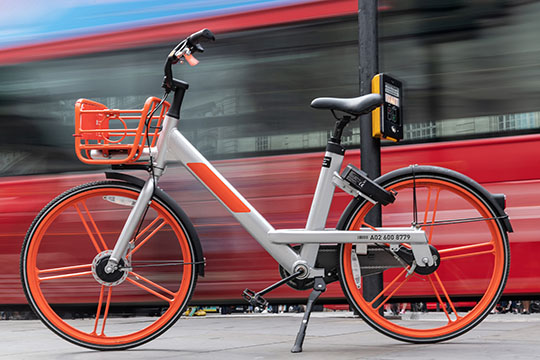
391	98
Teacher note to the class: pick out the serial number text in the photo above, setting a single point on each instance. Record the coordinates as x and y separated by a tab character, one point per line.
390	237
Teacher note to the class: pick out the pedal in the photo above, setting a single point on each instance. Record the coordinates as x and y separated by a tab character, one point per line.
361	182
254	298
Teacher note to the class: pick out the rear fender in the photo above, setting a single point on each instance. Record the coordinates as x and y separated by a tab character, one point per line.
496	201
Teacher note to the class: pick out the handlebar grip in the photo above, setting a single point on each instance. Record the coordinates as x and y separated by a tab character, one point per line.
201	35
192	44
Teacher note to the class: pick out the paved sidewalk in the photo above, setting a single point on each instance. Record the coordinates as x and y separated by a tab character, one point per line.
336	335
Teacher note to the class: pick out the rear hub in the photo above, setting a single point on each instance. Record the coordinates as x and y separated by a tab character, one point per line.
406	255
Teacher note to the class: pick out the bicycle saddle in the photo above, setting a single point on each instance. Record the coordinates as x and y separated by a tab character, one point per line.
355	106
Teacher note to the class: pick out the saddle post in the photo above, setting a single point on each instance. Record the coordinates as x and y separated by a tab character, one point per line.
341	123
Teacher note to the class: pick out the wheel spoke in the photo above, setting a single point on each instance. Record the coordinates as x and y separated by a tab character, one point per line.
98	311
85	224
446	295
388	287
441	303
153	292
94	225
65	268
149	235
434	212
426	212
392	293
106	313
65	276
474	250
369	226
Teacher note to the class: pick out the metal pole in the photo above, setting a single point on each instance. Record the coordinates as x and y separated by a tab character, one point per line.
370	148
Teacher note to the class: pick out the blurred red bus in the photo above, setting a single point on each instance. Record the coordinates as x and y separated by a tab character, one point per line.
247	110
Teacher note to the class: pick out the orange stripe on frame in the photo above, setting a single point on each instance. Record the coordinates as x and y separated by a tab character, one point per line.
217	186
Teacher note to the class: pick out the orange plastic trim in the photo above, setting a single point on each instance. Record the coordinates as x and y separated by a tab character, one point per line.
217	186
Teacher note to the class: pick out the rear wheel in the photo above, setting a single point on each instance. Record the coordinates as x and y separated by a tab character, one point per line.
474	260
64	255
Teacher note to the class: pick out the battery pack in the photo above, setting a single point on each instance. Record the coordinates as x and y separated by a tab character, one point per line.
361	182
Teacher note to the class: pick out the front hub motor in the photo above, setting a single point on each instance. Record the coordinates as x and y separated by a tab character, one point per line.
98	270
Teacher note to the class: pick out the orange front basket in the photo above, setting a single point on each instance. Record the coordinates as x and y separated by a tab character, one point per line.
112	136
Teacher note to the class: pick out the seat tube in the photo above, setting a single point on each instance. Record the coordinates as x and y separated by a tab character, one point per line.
324	192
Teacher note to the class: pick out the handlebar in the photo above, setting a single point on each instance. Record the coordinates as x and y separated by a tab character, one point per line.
201	35
184	49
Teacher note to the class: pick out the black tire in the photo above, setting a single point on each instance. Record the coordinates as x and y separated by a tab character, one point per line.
61	282
465	292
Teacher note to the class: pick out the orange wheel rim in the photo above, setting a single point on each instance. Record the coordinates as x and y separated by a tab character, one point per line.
439	290
34	280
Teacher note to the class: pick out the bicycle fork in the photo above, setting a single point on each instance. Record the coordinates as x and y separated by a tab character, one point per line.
133	221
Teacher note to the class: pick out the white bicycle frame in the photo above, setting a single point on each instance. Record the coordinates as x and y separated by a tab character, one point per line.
173	146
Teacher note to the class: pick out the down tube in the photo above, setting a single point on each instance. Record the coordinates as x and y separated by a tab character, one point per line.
231	199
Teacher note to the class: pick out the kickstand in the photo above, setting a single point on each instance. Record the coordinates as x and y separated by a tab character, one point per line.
318	288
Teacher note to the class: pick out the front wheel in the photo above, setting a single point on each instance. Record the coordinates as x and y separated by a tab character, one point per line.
471	243
65	252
